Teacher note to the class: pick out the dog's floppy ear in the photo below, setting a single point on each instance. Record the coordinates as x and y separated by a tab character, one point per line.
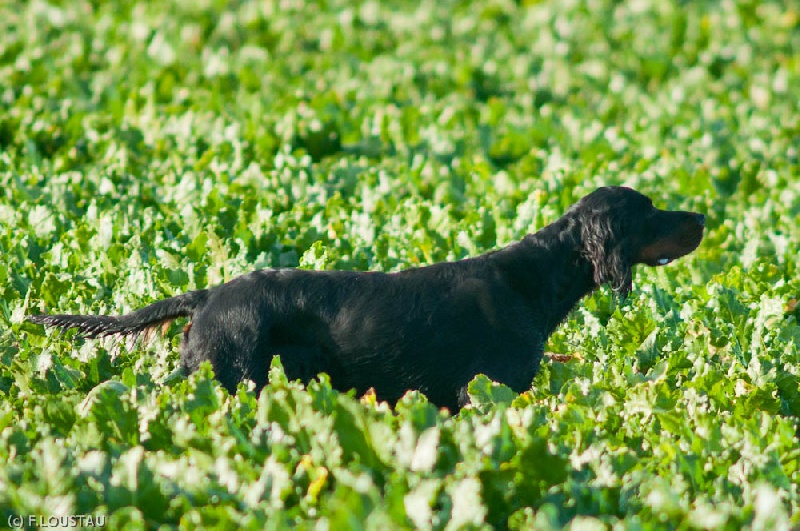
603	246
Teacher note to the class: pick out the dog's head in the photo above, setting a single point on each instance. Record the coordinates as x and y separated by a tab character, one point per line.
620	228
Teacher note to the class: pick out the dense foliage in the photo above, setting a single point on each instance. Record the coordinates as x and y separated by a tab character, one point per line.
148	148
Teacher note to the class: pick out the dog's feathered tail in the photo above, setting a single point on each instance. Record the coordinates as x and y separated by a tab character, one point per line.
143	320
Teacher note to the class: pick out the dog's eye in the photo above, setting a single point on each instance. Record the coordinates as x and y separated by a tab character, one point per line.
663	261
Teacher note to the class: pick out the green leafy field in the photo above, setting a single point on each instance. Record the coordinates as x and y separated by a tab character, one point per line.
149	148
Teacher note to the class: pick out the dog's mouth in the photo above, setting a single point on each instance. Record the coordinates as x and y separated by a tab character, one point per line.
658	262
667	250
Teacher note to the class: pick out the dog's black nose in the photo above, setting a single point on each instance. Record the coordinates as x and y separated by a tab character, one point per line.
701	219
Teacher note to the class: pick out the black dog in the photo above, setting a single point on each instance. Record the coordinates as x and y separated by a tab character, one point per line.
431	328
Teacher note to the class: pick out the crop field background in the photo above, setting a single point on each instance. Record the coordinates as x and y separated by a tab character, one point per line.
150	148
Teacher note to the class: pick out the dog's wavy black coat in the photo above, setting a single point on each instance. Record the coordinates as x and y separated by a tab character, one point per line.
431	328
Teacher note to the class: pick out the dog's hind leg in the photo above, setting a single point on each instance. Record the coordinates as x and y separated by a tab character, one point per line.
233	338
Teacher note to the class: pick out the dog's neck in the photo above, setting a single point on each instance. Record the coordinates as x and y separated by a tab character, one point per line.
550	268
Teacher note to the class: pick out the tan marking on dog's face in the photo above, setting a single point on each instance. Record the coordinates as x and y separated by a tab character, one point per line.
683	238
